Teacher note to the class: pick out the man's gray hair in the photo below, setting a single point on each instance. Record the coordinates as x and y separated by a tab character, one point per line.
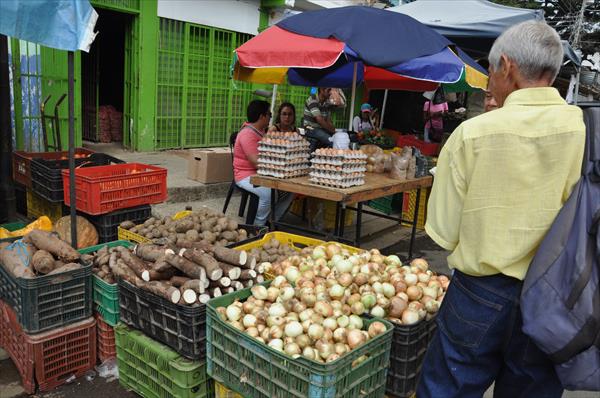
534	46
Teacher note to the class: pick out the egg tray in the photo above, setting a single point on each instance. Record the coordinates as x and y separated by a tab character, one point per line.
338	161
335	175
289	136
340	153
340	169
287	167
283	145
287	155
281	162
282	174
337	183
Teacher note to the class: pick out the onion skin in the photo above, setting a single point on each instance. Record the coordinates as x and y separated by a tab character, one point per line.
355	338
397	307
376	328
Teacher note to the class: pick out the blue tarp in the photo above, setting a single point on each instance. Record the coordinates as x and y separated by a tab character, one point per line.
61	24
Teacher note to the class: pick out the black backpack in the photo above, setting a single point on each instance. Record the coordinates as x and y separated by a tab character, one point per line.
560	300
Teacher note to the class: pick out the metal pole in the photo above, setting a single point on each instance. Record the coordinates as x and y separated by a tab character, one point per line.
7	192
383	109
353	97
576	94
273	98
71	92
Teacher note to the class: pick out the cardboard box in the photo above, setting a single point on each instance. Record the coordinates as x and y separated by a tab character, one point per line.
210	165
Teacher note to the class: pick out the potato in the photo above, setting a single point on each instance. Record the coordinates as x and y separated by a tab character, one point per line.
150	221
127	224
192	235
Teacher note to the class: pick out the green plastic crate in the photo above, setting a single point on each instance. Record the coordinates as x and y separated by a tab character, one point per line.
153	370
387	204
106	296
255	370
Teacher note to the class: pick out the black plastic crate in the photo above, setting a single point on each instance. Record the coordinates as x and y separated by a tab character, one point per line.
46	176
106	224
181	327
409	345
49	301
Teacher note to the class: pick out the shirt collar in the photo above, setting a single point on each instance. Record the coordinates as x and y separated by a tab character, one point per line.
535	96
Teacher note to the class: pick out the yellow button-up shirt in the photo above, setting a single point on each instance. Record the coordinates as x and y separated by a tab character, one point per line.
502	178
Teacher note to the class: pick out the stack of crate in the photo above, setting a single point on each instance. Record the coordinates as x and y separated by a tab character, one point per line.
46	326
161	346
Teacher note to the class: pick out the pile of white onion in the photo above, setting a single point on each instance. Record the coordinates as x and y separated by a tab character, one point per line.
299	322
366	282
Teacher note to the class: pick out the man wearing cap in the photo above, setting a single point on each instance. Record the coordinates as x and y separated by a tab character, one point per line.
362	123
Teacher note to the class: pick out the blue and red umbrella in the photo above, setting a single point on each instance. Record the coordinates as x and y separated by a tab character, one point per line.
387	50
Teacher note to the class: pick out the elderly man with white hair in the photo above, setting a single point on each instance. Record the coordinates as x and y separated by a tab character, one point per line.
501	179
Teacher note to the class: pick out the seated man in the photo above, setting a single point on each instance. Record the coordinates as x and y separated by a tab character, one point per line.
245	161
317	119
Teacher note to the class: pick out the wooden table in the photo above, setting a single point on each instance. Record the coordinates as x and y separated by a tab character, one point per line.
376	186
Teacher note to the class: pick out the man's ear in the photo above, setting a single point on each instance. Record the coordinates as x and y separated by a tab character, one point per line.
505	65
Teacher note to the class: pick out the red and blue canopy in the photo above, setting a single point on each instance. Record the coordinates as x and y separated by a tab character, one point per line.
390	50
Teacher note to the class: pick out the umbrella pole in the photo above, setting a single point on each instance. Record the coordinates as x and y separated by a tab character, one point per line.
383	109
71	92
273	98
353	97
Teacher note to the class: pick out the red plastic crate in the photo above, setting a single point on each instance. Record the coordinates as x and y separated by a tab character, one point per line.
426	148
106	339
51	357
103	189
21	162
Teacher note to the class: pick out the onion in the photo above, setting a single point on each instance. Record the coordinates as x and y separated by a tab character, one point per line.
378	311
361	279
318	252
355	338
343	321
275	321
333	357
339	335
238	325
369	300
259	292
299	307
355	322
265	334
400	286
420	263
377	287
346	310
354	298
309	299
365	269
315	331
292	274
383	302
317	318
332	249
377	258
340	348
397	307
249	321
309	353
322	296
330	323
414	292
306	314
410	317
293	329
252	332
388	290
403	296
292	349
272	294
376	328
424	277
320	262
336	305
275	332
234	313
343	266
432	307
305	325
222	311
303	341
358	308
324	308
248	307
327	335
345	279
286	293
277	309
411	279
430	291
336	291
393	260
276	344
325	349
260	328
279	281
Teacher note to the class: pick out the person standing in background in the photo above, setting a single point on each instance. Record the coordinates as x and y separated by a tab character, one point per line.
434	123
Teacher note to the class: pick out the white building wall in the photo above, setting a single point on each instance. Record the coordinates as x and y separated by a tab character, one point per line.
237	15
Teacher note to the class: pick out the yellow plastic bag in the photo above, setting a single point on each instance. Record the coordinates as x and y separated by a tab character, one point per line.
42	223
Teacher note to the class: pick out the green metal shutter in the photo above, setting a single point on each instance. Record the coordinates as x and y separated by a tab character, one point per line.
118	5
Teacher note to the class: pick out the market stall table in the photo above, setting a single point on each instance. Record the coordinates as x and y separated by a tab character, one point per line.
376	186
